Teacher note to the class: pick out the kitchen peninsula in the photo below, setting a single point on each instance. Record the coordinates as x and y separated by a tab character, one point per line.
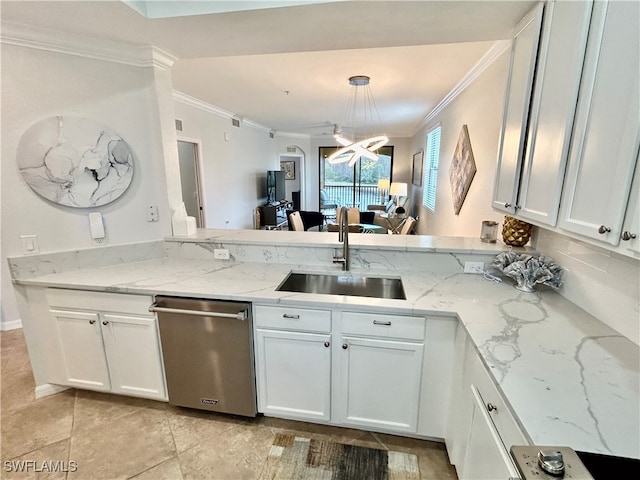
565	377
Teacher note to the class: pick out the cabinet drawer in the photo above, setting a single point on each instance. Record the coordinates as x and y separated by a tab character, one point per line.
104	302
497	408
377	325
292	318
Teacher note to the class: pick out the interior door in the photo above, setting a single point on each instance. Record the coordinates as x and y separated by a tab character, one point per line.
190	180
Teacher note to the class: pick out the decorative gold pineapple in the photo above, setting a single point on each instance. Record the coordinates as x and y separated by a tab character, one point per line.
516	232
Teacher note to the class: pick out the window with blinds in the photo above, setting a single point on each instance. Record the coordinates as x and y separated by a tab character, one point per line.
430	180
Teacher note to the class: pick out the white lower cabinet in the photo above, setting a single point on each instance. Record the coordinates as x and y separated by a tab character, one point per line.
486	457
348	368
480	427
293	362
109	342
380	383
83	349
294	374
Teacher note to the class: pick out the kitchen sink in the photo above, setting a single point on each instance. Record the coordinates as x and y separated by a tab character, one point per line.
352	285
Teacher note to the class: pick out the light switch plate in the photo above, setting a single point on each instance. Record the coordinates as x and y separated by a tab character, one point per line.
30	244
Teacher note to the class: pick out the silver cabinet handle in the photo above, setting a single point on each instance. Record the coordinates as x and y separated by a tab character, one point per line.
105	323
626	236
327	344
507	205
238	316
91	322
288	315
491	407
378	322
345	346
603	229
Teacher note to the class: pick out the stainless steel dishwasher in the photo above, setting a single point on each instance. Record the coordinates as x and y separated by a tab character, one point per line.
208	353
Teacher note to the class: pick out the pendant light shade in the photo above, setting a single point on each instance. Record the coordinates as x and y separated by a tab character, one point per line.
362	115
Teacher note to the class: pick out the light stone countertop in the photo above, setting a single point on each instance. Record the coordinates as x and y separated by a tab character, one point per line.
570	379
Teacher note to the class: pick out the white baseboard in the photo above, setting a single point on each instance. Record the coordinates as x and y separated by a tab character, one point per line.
49	389
12	325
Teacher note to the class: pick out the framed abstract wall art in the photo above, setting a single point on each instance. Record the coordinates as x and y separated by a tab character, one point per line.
462	170
289	168
75	162
417	168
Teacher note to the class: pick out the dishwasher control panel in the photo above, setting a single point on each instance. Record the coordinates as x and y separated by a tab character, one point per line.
548	463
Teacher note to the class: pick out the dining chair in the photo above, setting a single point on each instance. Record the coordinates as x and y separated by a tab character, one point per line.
353	215
408	226
296	221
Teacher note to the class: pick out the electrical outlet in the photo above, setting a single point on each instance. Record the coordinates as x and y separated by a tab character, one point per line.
473	267
221	253
152	213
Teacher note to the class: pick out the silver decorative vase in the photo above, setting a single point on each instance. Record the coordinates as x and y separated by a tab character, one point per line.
525	288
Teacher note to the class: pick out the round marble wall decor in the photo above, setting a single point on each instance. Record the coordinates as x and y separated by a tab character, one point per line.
74	161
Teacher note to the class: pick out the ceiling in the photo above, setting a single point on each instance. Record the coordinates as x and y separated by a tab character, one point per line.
246	61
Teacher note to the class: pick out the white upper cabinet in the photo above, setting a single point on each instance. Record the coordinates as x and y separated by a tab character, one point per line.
605	138
523	58
561	55
538	116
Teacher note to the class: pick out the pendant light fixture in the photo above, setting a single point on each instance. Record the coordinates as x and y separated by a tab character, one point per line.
362	115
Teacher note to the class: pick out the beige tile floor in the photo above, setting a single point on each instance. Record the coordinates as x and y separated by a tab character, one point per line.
116	437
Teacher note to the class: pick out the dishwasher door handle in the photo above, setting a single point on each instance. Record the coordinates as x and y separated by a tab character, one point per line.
238	316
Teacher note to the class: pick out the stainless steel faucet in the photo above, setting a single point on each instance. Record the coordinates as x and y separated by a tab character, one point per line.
343	236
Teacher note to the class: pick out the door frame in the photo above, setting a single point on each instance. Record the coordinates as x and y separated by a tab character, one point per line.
200	189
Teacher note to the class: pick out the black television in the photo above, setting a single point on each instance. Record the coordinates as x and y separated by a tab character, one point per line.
275	186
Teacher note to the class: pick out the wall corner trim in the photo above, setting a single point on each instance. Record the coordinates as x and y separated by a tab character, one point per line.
496	50
49	389
57	41
11	325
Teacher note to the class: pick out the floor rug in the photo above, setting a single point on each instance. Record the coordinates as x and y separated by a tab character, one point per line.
300	458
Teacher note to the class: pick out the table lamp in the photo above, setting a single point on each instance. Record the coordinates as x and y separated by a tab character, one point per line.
383	186
399	190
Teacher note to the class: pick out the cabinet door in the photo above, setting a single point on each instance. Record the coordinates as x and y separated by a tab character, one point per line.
380	383
557	80
438	375
133	353
630	237
606	131
516	110
294	374
486	457
83	350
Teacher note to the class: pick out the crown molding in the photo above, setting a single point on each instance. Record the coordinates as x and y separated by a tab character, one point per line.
50	40
197	103
303	136
495	52
220	112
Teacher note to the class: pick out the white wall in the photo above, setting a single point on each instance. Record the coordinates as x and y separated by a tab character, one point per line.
38	84
234	170
480	108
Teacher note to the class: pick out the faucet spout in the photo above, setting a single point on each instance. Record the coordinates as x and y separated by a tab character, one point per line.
343	236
